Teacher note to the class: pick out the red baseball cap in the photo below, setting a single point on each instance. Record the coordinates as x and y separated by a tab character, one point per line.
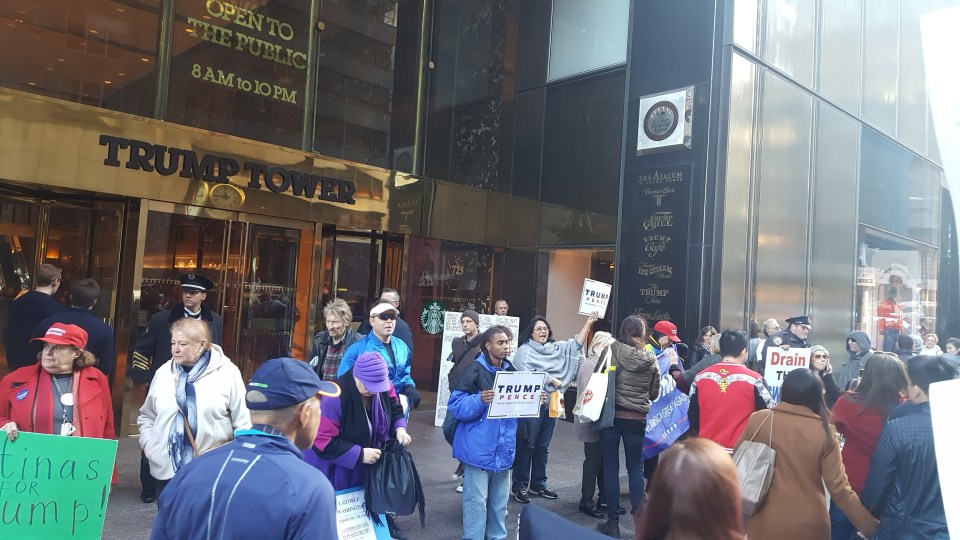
65	334
668	329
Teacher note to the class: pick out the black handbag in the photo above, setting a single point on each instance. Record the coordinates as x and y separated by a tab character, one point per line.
392	484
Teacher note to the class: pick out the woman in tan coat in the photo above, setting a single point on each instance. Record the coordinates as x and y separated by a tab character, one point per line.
808	457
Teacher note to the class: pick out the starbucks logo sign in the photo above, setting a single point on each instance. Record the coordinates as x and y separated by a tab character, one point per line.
431	318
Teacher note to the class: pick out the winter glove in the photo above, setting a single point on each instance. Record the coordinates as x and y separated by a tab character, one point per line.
412	395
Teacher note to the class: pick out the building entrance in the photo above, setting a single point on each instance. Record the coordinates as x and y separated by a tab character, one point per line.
79	234
262	270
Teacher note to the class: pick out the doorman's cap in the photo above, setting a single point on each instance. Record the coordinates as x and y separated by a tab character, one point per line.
195	281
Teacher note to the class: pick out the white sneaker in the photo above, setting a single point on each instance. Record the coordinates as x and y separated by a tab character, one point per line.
460	488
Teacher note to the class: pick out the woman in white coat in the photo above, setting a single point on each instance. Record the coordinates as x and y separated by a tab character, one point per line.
195	403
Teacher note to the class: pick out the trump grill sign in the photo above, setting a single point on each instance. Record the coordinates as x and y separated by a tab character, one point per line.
780	362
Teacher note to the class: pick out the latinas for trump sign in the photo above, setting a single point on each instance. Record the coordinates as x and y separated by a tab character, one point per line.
53	486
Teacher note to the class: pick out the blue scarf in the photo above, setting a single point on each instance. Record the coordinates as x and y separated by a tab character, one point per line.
181	451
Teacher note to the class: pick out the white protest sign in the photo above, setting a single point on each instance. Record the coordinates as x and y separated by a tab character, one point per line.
353	523
594	297
944	404
780	362
453	330
517	394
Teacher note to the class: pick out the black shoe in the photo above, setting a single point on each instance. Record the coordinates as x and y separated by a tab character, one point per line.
521	496
591	511
610	527
545	493
603	508
394	529
458	474
148	496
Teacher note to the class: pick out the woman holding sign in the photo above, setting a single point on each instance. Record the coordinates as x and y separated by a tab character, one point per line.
559	360
62	394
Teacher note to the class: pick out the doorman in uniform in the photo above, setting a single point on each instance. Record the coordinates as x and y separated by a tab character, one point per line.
794	336
153	348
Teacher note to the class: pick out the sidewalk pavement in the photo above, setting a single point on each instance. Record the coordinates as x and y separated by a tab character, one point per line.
129	518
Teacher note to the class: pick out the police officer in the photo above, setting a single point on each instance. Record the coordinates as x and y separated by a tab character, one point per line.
794	336
153	348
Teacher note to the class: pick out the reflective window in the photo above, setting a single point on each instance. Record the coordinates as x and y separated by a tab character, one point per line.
240	68
471	90
96	52
896	290
899	192
355	79
581	161
587	36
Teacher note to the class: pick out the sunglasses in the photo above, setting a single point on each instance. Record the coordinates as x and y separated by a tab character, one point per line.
386	317
821	356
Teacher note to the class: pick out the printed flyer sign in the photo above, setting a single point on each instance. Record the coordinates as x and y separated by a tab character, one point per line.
594	297
451	331
517	394
353	523
944	403
780	362
53	486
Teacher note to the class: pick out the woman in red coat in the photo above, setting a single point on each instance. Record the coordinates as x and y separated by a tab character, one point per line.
62	394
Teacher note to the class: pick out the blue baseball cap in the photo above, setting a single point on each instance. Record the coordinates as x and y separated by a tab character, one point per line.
286	382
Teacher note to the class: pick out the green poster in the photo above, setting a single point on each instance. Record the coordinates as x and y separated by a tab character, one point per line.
53	486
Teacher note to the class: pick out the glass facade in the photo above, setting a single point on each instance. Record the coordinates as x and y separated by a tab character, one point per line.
96	52
587	36
829	138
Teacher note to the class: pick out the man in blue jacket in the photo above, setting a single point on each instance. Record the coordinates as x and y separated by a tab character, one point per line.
258	486
903	487
485	446
383	322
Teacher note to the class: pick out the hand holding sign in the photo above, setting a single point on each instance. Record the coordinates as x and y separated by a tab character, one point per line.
594	298
11	429
486	396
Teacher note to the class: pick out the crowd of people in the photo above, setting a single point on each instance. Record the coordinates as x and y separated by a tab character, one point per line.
272	452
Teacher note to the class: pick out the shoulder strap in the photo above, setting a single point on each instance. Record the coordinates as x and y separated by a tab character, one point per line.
604	362
189	432
768	417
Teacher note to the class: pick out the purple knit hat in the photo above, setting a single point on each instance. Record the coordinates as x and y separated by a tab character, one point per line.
371	370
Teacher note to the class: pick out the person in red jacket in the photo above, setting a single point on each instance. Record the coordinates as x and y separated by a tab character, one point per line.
63	394
859	416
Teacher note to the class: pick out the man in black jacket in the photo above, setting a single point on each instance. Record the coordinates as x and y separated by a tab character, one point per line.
84	294
26	311
330	344
153	348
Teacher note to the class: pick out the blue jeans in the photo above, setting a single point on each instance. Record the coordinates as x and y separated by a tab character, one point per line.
890	336
840	526
533	445
485	496
633	448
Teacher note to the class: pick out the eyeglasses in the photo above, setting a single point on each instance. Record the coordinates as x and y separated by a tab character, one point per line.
821	356
541	329
386	317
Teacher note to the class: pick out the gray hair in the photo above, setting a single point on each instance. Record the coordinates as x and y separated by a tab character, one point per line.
338	308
